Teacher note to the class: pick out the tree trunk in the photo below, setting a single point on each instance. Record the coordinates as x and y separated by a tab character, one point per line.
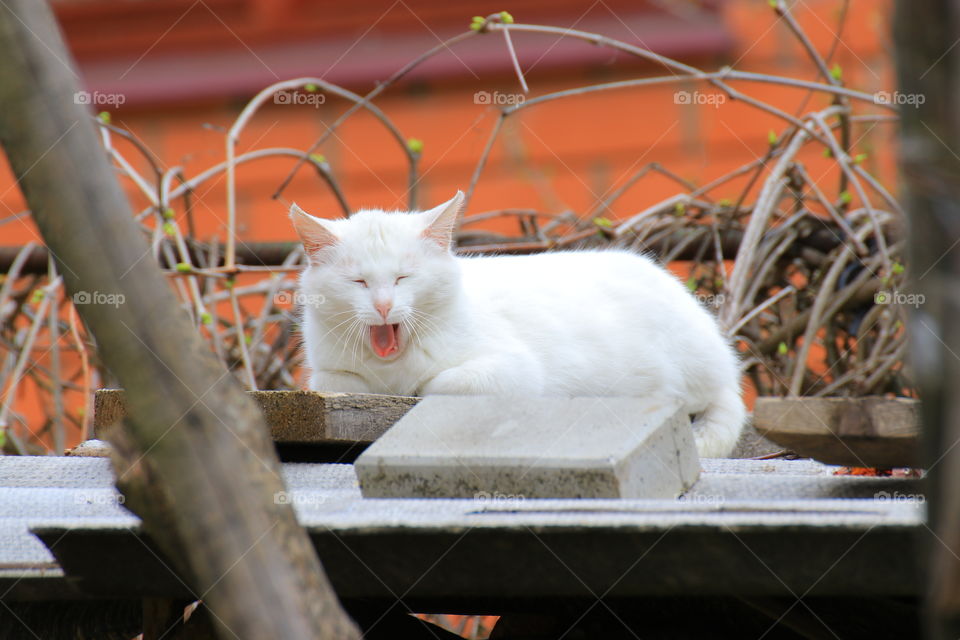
928	62
205	451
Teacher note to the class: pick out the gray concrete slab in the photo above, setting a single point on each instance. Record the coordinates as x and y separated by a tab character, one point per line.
462	447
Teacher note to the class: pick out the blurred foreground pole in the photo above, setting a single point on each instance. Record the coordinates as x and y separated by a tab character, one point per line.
928	67
205	482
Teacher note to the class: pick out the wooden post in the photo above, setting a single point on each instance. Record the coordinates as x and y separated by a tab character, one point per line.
204	471
928	67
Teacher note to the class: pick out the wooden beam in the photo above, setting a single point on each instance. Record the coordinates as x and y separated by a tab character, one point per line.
821	240
296	417
860	432
194	460
71	619
928	74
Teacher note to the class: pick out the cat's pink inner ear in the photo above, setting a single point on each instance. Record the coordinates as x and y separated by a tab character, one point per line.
442	221
313	233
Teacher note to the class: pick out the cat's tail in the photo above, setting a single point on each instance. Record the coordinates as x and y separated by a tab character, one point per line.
718	428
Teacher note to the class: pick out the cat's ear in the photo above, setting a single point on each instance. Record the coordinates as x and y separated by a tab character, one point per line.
315	234
442	220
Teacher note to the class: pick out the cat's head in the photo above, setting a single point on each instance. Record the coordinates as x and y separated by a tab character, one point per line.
382	277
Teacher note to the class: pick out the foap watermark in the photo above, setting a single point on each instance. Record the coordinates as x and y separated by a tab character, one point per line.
699	97
497	98
897	97
896	297
710	300
704	498
99	98
498	499
99	497
99	297
896	496
299	299
309	498
299	98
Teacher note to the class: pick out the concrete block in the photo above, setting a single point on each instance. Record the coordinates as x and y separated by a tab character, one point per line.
497	447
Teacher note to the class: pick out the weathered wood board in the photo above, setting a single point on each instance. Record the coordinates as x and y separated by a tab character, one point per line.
871	431
301	417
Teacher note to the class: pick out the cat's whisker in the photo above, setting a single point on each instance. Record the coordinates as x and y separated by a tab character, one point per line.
338	325
419	326
355	344
425	320
344	336
410	328
341	313
357	352
350	346
362	336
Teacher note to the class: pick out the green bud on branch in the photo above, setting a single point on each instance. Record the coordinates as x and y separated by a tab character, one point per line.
603	222
415	145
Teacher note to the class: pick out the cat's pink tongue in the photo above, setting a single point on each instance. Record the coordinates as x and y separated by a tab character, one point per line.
383	339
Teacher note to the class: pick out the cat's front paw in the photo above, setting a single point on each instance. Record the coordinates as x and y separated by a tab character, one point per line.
484	379
457	382
338	382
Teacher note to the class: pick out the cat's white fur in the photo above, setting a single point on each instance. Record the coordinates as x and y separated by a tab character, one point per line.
579	323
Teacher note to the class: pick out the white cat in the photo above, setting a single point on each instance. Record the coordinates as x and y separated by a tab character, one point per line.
389	309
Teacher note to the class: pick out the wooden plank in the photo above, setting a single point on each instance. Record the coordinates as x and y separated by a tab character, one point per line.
71	619
795	516
720	617
823	547
297	417
167	619
872	431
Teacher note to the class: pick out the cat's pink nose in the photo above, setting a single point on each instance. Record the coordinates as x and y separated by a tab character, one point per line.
383	308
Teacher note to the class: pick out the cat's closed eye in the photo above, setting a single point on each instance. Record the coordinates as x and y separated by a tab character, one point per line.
399	278
362	283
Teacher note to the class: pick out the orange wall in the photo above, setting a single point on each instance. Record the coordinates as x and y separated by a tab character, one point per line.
581	146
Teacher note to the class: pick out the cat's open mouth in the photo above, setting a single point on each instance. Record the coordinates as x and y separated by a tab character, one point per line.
385	339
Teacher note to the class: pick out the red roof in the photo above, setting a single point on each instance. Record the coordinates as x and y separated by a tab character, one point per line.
162	51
